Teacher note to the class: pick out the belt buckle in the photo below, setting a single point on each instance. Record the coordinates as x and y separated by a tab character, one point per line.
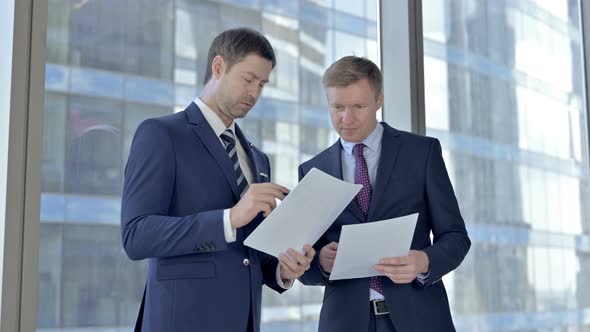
379	307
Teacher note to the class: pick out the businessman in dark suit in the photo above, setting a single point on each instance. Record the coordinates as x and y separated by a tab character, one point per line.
194	189
401	174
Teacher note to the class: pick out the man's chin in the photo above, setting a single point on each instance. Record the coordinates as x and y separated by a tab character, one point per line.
239	114
348	136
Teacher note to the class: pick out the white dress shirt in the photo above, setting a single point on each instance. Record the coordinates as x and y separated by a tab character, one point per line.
371	152
219	127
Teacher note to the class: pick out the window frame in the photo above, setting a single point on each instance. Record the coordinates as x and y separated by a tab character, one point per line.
24	26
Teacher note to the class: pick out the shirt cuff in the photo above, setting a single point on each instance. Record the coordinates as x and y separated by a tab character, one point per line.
228	231
423	277
284	285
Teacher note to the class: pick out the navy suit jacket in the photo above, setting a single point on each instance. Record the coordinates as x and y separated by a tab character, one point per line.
178	181
411	177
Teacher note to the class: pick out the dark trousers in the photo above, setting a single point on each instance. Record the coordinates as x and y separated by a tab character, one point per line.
250	322
381	323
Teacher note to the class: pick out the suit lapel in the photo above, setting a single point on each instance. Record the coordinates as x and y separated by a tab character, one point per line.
333	166
206	134
333	162
389	149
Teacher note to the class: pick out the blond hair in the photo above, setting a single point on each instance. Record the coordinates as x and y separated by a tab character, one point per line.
351	69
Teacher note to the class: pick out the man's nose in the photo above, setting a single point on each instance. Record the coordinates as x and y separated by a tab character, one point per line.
346	116
254	91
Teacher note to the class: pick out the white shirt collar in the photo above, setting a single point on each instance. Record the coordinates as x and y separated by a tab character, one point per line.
373	141
213	119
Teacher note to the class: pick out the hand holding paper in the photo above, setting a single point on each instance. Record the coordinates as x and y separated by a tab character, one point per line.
327	256
404	269
294	264
361	246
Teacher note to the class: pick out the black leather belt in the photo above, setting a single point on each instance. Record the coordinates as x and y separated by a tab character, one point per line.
379	307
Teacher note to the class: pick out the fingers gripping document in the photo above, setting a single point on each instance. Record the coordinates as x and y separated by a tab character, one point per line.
362	245
304	215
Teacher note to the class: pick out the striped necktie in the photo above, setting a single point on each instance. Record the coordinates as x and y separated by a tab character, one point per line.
363	198
229	141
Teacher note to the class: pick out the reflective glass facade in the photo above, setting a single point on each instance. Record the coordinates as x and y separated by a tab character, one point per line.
504	92
504	87
110	65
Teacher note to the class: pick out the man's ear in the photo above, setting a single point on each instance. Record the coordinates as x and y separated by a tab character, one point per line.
217	67
380	101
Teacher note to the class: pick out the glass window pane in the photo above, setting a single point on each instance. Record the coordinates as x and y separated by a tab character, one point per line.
54	143
93	146
110	65
505	95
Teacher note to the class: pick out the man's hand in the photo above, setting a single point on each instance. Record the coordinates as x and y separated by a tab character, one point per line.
260	197
294	264
327	256
403	270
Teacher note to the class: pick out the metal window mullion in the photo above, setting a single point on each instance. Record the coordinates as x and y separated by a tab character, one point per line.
402	59
585	25
22	115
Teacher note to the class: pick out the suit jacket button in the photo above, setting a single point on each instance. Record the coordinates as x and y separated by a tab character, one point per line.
246	262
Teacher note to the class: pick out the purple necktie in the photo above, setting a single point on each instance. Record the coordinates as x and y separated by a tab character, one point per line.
363	198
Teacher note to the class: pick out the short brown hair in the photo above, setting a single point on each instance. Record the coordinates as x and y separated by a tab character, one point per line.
236	44
351	69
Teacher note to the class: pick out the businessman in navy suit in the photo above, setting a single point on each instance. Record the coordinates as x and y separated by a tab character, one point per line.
401	174
194	189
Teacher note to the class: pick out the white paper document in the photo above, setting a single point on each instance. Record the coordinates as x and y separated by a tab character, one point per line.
304	215
362	245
